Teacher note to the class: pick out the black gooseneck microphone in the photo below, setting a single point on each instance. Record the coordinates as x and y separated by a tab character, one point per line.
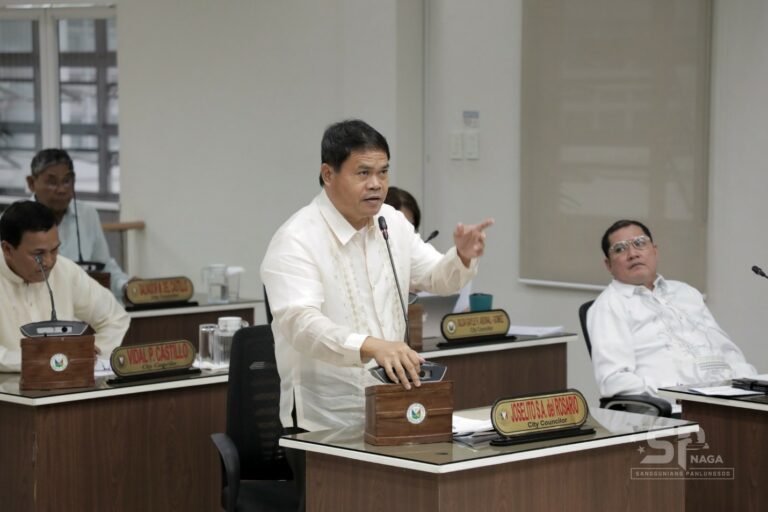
88	266
54	326
385	233
39	260
428	371
757	270
432	236
77	226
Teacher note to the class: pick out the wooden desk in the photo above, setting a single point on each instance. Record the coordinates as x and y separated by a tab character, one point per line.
481	373
183	322
585	473
147	447
144	447
737	431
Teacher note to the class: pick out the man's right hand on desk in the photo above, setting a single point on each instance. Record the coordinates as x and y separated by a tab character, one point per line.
397	359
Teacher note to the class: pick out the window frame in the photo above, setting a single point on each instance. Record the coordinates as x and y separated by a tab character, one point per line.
48	86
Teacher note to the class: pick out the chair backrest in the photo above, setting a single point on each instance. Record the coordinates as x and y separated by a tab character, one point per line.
583	309
642	404
266	306
253	405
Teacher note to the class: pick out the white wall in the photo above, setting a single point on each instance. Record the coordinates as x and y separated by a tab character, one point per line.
223	105
473	51
739	175
474	64
222	108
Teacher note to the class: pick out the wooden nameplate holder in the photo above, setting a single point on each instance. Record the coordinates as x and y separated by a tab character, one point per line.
157	360
57	362
159	292
529	418
396	416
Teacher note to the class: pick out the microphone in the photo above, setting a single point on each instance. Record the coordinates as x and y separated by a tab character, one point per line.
52	326
88	266
385	233
757	270
432	236
39	260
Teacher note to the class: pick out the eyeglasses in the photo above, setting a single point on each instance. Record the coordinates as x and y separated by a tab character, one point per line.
640	243
67	182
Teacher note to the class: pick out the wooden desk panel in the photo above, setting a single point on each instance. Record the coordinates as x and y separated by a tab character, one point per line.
588	473
739	436
17	457
583	481
148	451
481	378
151	450
172	326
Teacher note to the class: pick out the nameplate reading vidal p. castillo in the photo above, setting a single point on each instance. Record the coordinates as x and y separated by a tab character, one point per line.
535	414
159	291
479	324
152	358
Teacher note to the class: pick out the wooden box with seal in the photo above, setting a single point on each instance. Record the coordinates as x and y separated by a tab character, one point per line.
57	362
396	416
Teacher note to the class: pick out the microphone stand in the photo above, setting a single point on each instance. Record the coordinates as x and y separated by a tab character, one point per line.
89	266
39	260
385	233
54	326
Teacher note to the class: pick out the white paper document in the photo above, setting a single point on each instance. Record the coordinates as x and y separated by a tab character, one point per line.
472	432
207	365
464	426
534	330
724	391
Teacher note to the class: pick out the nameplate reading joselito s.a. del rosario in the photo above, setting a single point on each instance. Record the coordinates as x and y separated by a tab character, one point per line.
158	291
528	415
152	358
461	326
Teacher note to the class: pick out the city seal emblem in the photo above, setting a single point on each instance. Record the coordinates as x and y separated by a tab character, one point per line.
59	362
416	413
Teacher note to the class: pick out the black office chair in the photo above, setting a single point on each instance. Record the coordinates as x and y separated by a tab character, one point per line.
266	305
642	404
255	475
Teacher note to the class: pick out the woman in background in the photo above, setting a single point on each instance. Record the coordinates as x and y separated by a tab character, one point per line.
401	200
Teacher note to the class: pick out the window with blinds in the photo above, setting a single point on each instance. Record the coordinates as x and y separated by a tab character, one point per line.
58	88
615	124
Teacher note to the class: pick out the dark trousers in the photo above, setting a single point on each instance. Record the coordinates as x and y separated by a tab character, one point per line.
297	459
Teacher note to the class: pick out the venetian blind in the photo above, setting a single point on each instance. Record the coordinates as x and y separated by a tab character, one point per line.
614	123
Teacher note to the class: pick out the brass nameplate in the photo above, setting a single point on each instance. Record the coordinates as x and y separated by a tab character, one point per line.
152	357
540	413
157	291
480	324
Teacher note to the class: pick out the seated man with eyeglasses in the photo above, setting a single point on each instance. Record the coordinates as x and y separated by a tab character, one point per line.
648	332
52	183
